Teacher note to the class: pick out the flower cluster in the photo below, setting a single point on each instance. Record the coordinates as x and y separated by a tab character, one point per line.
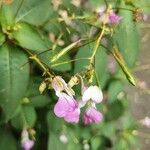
69	108
26	143
108	16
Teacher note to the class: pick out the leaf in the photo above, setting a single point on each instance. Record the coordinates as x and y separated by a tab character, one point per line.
115	87
2	38
13	78
60	64
40	11
100	62
7	18
54	123
115	110
54	142
7	141
126	37
25	118
36	99
28	37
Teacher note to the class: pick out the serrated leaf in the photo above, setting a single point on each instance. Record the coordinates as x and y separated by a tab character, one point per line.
28	37
13	78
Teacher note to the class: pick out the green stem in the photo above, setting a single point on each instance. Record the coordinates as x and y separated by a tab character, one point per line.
34	57
97	44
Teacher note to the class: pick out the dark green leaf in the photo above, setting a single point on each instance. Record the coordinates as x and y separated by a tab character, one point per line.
115	110
7	141
14	78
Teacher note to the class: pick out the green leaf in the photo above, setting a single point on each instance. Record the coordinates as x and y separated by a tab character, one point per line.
28	37
54	123
126	37
115	87
14	78
100	62
33	94
39	10
25	118
6	16
54	142
2	38
115	110
7	141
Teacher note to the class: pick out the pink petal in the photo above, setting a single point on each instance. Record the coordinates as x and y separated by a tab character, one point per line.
61	108
27	145
73	116
92	115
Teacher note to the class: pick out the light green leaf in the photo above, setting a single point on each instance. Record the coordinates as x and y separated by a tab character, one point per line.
115	87
126	37
28	37
13	78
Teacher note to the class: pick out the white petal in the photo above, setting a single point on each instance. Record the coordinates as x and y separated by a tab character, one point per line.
87	95
97	95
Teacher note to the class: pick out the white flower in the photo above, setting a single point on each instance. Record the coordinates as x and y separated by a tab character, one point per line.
93	93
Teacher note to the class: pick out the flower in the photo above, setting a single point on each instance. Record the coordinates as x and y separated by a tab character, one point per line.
92	115
114	18
60	85
108	16
67	108
26	143
92	93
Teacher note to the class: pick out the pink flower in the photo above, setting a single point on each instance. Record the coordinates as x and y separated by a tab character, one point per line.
26	143
67	108
92	115
92	93
146	122
113	18
108	16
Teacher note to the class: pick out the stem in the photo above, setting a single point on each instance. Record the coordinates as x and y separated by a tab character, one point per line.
34	57
66	62
97	44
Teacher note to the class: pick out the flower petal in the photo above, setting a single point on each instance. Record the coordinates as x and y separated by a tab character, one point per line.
92	115
73	116
61	107
94	93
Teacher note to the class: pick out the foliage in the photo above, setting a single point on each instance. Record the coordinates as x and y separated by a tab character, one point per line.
38	39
